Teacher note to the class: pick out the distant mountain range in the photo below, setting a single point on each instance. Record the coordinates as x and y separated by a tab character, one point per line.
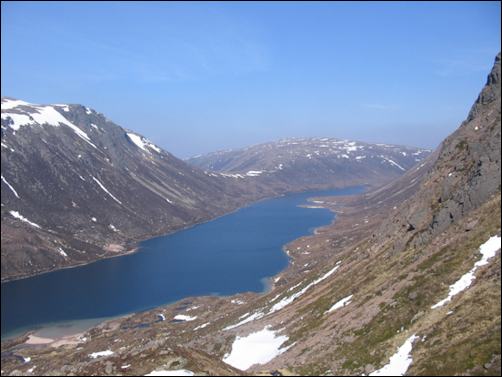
313	162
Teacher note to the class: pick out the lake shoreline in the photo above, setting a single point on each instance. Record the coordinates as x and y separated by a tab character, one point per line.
268	283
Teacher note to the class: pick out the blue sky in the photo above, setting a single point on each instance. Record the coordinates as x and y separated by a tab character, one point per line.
197	77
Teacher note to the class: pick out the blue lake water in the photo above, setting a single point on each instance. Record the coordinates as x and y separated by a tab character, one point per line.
231	254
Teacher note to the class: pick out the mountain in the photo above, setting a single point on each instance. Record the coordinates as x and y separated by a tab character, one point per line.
406	281
76	187
296	163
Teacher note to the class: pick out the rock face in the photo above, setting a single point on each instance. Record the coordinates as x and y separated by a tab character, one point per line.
77	187
314	162
463	173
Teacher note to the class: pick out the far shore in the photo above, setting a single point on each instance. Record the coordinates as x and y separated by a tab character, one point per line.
117	254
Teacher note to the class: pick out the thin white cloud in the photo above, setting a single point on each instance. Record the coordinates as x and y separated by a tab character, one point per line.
461	63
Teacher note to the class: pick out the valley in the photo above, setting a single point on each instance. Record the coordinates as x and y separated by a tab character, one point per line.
77	188
250	188
409	268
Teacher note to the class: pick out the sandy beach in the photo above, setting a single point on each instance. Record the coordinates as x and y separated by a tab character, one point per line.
56	342
33	339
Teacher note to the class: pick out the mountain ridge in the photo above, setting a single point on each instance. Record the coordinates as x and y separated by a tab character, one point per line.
321	162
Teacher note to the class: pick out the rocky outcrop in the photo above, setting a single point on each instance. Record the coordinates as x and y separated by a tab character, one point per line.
464	172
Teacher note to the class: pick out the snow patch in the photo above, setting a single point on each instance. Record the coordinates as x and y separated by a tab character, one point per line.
288	300
105	190
6	146
488	251
201	326
178	372
229	175
138	140
251	318
63	107
392	162
254	173
399	362
154	147
340	304
49	115
61	251
142	143
257	348
95	355
17	215
43	115
18	120
10	186
186	318
8	104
